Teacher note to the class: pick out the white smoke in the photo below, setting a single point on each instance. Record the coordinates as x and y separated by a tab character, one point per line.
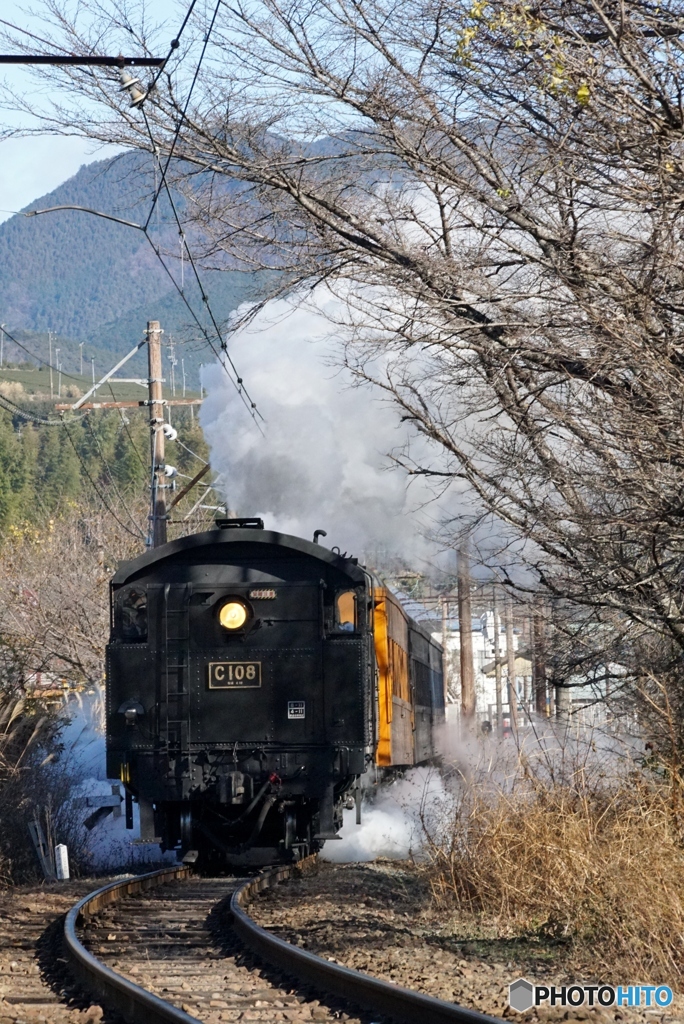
390	820
323	461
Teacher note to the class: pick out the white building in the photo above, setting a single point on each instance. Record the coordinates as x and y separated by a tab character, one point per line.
484	664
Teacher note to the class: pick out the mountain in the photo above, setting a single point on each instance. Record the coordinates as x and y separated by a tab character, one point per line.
94	281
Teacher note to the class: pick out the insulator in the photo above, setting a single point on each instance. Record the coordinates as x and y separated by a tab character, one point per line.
132	85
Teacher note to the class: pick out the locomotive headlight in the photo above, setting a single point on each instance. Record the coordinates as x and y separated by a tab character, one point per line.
233	615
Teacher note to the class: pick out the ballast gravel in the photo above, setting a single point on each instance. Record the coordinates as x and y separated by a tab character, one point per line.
34	987
377	918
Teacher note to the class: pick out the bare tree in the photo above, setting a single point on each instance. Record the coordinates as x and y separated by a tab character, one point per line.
495	191
54	615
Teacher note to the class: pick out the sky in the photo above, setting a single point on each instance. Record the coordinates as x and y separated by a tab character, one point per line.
31	167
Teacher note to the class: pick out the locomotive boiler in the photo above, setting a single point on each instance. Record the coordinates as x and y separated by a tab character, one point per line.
252	679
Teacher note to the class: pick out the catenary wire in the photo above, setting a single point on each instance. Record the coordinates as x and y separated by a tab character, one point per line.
238	383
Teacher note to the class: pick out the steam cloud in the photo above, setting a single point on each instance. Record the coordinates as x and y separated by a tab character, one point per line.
323	462
390	820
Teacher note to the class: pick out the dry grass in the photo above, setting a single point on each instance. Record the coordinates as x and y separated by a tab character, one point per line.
600	864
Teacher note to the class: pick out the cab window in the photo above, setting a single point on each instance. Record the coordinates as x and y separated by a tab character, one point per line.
134	614
345	612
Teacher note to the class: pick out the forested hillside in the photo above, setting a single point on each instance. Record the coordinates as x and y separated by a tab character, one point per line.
102	458
95	281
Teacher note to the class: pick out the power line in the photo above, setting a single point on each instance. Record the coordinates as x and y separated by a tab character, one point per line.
237	382
37	358
194	454
92	482
162	181
124	423
175	42
111	475
17	410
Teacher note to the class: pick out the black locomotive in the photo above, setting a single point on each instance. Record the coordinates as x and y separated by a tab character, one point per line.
252	678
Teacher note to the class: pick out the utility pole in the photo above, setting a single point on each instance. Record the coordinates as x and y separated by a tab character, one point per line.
465	626
183	369
52	391
510	656
445	652
92	366
539	666
81	348
156	405
497	662
59	374
2	343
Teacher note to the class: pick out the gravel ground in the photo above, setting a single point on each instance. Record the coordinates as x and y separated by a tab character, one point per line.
376	918
31	986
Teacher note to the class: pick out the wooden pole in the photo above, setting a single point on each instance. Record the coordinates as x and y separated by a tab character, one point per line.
465	627
540	704
158	501
445	653
497	662
510	657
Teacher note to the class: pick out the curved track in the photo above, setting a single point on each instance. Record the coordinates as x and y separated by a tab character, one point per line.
184	963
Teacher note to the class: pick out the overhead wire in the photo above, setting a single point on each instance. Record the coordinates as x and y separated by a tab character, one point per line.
93	484
38	359
237	382
194	454
18	410
175	42
163	184
124	423
185	108
111	475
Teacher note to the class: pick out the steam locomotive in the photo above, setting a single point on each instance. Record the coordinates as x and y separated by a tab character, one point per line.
252	679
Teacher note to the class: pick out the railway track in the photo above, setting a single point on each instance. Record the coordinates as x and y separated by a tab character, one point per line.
170	948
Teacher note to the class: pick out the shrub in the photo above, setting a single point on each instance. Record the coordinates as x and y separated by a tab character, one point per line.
596	860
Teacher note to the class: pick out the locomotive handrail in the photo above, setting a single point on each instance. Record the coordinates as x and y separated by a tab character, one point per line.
130	999
400	1003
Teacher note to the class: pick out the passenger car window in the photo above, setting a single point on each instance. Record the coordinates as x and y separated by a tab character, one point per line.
345	612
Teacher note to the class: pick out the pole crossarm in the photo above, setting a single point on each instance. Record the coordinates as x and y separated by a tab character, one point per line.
86	61
131	404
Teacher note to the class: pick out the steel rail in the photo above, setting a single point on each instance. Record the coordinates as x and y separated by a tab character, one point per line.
132	1001
374	993
136	1004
